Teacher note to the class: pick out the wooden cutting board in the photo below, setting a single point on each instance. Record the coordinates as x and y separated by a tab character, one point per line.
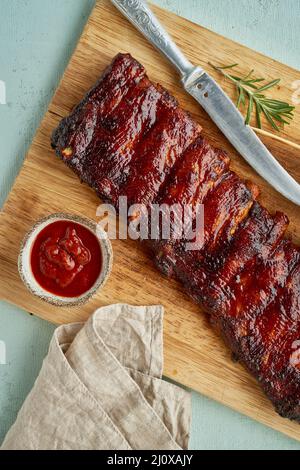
194	355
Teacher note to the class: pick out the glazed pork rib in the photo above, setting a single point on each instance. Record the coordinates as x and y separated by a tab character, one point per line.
129	137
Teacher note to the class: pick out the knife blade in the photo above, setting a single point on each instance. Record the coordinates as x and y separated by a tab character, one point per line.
203	88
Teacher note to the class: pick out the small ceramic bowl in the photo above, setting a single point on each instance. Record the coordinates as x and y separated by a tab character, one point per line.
24	262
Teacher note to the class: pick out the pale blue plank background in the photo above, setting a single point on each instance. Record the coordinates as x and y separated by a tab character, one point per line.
36	40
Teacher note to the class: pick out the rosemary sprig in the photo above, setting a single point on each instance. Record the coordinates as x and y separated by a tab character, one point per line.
250	93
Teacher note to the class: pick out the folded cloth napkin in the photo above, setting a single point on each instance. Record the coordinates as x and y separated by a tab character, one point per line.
101	387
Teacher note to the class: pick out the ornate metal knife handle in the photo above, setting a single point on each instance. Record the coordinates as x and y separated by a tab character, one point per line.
145	21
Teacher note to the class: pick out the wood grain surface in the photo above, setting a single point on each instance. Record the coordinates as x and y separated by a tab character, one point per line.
194	354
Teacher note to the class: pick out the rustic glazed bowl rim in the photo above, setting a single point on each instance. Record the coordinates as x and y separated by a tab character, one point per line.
24	260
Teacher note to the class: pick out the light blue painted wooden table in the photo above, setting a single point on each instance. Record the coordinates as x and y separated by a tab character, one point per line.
36	40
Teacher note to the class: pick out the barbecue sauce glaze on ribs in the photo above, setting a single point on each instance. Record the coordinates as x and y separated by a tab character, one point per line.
128	137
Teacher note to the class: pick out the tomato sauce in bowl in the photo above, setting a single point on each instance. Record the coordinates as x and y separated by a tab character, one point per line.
64	259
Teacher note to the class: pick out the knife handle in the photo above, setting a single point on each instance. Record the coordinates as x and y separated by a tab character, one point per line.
138	13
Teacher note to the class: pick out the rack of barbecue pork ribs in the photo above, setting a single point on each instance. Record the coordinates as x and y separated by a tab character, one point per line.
129	137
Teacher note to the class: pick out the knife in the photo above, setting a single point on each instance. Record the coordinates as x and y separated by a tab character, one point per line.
198	83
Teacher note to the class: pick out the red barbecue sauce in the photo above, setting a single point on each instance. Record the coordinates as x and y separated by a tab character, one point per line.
66	259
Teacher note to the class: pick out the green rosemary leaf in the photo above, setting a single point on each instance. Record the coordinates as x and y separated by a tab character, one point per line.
258	113
254	80
241	98
270	119
250	92
231	66
250	109
248	75
269	85
234	77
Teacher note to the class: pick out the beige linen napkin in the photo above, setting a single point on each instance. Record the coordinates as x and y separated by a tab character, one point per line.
100	387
